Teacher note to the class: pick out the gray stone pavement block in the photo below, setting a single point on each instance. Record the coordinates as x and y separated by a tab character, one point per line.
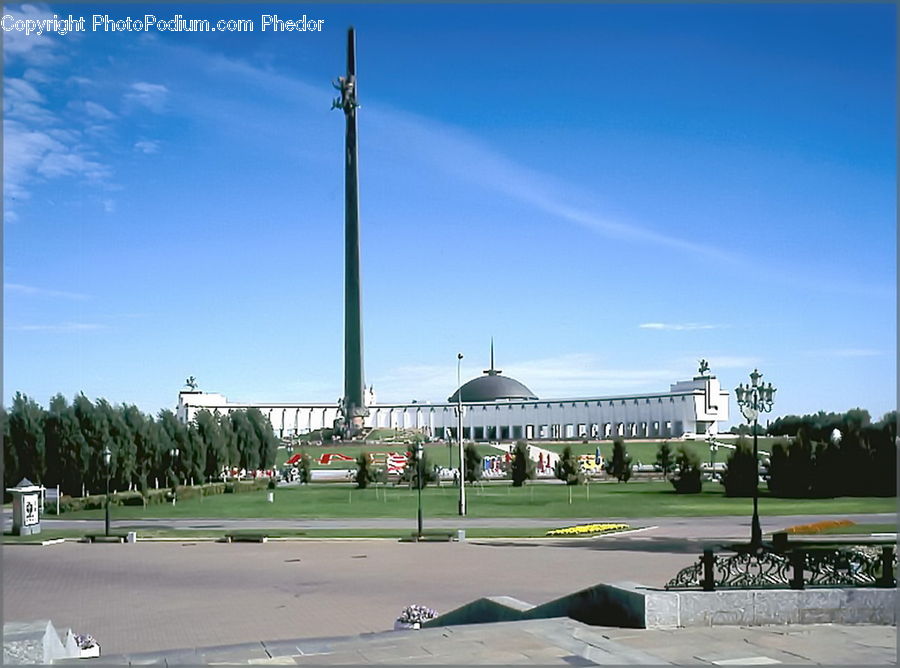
234	653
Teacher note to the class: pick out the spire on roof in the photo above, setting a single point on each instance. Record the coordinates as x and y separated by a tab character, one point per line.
492	371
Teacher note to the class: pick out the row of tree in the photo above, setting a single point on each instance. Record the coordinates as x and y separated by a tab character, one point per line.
64	445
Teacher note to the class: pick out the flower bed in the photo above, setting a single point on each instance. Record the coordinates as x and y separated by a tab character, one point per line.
413	616
818	527
588	529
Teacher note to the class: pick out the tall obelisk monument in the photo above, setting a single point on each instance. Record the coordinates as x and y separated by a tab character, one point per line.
353	405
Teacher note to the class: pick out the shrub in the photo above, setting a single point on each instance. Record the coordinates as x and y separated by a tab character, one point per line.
473	463
522	465
687	478
411	472
304	467
363	471
790	469
619	466
213	488
566	468
741	471
664	459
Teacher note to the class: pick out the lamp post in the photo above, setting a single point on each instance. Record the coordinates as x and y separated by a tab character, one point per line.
419	483
459	435
107	457
174	453
752	399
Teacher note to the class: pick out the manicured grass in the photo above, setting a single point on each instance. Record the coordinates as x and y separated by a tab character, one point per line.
645	451
604	500
144	533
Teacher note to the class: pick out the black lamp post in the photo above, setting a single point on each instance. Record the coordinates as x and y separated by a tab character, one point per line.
107	457
174	453
419	483
459	436
752	399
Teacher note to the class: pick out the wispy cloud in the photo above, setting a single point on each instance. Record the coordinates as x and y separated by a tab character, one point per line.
32	291
679	327
147	146
33	49
150	95
846	352
63	327
552	377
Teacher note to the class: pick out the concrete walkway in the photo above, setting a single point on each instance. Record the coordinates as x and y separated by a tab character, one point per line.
559	641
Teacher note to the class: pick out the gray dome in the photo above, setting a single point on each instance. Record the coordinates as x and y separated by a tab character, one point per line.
492	387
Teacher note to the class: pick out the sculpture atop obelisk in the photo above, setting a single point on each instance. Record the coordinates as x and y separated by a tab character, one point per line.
353	407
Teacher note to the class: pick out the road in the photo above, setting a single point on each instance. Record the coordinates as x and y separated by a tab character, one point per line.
716	527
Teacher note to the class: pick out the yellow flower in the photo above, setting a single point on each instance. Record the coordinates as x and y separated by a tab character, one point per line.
584	529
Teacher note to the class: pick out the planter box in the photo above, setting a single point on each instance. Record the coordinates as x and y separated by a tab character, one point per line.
401	626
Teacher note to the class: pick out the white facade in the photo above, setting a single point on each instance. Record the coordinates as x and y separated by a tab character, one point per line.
691	407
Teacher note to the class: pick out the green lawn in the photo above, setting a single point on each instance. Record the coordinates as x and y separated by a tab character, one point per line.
634	499
476	532
645	452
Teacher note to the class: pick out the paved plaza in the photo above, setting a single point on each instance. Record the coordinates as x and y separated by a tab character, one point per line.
154	596
307	601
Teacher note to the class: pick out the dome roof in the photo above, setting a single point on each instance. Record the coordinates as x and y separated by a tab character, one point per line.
492	387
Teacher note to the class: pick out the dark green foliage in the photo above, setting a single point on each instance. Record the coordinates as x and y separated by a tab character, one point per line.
619	465
741	470
566	468
664	459
522	465
821	425
687	478
27	458
473	463
791	467
411	472
304	467
364	472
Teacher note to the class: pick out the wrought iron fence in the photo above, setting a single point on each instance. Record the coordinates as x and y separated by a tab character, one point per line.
797	565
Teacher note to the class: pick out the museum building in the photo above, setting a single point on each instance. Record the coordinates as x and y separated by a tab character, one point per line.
500	408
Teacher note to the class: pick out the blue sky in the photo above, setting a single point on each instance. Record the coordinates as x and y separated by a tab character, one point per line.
610	191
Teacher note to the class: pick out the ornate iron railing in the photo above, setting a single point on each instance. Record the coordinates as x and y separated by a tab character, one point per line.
797	565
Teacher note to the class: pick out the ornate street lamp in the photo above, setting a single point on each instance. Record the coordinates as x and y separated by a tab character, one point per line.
107	457
752	399
459	435
174	453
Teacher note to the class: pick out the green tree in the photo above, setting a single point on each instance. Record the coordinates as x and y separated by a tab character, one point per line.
619	465
229	440
741	471
121	445
664	459
364	471
522	465
246	439
790	469
304	467
26	439
687	478
474	462
173	435
566	467
95	435
265	436
146	446
411	471
210	433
